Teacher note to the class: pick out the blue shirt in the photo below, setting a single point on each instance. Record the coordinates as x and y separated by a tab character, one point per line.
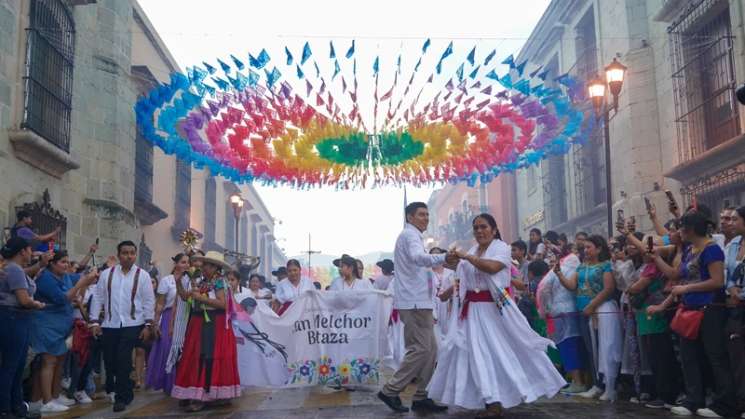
695	268
730	260
52	291
590	282
12	278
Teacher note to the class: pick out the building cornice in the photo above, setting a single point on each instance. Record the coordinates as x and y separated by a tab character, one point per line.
149	30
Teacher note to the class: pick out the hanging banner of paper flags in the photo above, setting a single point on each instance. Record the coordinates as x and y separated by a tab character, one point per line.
332	115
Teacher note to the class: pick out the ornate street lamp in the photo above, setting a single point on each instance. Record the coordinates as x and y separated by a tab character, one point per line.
237	202
615	73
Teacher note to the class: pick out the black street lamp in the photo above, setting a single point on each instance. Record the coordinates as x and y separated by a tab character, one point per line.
237	202
615	73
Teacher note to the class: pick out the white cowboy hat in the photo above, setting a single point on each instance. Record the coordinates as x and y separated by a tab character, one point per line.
215	258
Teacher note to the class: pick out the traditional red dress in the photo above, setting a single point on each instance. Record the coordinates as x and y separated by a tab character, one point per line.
208	368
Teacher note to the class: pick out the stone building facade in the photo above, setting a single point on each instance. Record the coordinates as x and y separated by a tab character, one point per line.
70	73
677	125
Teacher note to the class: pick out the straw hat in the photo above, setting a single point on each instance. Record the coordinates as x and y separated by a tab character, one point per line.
215	258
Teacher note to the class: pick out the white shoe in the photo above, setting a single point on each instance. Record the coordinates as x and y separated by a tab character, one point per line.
82	397
53	407
608	396
111	396
66	383
707	413
591	393
681	411
35	406
64	400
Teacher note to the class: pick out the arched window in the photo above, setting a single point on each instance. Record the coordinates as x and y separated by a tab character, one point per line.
50	52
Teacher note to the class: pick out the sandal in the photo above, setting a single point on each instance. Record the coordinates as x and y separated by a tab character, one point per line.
195	407
493	411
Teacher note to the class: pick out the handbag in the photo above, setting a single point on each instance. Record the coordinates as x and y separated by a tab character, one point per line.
687	323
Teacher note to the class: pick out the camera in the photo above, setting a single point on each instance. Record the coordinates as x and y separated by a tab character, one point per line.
741	94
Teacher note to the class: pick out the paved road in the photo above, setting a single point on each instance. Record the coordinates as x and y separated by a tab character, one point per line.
324	403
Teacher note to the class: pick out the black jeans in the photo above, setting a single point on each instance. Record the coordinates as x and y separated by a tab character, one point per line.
665	368
117	357
735	334
14	340
712	340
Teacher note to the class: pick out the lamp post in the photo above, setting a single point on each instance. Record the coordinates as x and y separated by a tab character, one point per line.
237	202
615	73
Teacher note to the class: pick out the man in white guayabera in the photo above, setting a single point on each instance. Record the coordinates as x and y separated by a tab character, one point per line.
413	290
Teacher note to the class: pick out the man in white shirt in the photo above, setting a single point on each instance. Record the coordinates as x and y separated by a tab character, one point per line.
382	281
413	300
124	293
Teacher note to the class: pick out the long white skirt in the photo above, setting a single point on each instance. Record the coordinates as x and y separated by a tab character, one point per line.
396	345
491	357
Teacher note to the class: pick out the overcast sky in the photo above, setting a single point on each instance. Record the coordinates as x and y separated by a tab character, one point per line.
354	222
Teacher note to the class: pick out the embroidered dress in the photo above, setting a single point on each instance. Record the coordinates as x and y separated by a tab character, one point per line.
208	369
491	354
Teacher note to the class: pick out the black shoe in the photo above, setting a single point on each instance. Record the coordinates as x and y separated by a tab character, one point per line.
427	405
119	406
393	402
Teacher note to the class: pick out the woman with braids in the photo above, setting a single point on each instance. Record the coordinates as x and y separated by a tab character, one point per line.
208	369
157	378
600	323
491	358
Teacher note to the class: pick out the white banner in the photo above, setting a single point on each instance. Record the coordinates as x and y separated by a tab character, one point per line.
328	337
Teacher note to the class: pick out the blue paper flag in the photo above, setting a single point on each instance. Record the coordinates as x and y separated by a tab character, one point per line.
237	62
337	69
448	51
523	86
510	61
272	76
398	63
253	78
209	68
520	68
543	75
438	68
489	57
350	51
536	71
426	45
318	70
222	84
376	65
289	56
332	52
493	75
474	73
418	63
300	73
306	54
459	72
259	62
472	56
226	68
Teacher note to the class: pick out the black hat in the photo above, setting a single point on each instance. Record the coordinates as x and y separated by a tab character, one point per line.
386	265
346	259
280	271
13	246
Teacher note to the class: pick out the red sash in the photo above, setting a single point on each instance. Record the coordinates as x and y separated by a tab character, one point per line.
394	317
283	308
475	297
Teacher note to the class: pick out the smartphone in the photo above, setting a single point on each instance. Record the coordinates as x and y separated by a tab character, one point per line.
671	199
620	215
648	204
650	244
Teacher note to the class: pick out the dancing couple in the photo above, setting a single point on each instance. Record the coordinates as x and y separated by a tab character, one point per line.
491	359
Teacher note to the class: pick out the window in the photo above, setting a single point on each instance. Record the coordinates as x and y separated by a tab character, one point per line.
183	195
143	169
50	50
703	78
210	198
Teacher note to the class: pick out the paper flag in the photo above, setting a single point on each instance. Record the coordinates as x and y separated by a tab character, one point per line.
332	52
472	56
376	65
300	73
225	68
426	45
306	54
237	62
350	51
337	69
289	56
489	57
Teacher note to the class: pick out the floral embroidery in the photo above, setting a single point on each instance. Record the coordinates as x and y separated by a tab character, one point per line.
326	370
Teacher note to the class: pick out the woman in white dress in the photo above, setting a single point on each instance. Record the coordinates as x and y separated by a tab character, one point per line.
442	282
350	279
396	344
491	358
291	287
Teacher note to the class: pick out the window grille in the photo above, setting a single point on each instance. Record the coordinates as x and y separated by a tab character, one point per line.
45	218
703	78
50	51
